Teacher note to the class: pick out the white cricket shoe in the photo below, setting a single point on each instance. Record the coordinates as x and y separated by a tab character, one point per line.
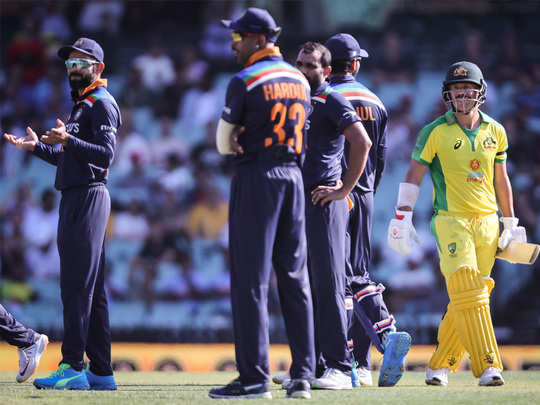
491	377
29	358
280	378
364	376
437	377
333	379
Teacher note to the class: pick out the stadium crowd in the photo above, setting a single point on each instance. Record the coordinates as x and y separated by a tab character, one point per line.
167	237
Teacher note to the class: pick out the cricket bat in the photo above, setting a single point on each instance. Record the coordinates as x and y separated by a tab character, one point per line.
519	252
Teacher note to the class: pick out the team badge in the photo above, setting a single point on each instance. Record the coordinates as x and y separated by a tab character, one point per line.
78	43
458	144
489	143
475	164
451	361
460	71
489	358
452	247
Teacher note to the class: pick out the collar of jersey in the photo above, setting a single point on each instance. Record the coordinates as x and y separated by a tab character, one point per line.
341	79
324	88
451	118
263	53
97	83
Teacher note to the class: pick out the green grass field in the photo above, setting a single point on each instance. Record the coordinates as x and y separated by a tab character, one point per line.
522	387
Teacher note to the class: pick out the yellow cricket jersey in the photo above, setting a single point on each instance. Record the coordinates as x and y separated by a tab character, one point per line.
461	163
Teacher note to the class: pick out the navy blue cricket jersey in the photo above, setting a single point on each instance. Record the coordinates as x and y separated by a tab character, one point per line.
331	114
374	118
93	123
270	98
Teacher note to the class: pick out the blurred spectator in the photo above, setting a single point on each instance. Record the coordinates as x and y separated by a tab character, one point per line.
201	104
402	131
54	25
167	143
156	67
134	93
130	143
394	65
177	176
131	224
101	16
39	227
209	214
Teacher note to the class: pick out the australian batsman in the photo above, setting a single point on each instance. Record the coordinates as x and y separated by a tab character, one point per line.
465	151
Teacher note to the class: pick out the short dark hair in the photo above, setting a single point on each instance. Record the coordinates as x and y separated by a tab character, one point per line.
341	67
310	47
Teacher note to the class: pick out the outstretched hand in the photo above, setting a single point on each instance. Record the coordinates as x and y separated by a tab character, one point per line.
27	142
56	135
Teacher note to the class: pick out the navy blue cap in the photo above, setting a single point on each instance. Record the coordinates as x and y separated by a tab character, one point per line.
85	45
345	47
255	21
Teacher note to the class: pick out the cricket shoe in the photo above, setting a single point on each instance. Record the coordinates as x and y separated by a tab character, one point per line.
333	379
396	347
280	378
491	377
235	389
65	378
29	358
299	389
438	377
364	376
100	382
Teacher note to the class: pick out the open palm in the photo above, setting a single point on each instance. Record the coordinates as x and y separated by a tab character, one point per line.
27	143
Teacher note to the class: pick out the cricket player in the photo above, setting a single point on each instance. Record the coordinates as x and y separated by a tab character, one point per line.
30	344
373	321
465	151
264	124
82	150
332	121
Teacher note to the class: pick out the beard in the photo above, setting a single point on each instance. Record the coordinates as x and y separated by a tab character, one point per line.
80	81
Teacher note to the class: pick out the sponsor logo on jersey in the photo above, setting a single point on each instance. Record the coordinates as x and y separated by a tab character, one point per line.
458	144
227	110
107	128
489	143
460	71
475	178
348	115
77	114
475	164
72	127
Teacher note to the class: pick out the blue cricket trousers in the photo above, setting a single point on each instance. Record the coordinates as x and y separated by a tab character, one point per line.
84	213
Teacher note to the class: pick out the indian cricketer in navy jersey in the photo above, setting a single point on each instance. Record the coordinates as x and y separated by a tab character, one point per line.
373	322
331	122
263	123
82	151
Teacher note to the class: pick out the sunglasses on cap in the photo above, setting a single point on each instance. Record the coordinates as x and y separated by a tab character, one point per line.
238	36
80	63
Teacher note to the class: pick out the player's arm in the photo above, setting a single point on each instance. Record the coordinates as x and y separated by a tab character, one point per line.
409	189
31	143
359	145
503	191
227	138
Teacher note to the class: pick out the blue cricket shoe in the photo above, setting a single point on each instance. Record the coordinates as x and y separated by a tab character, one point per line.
65	378
397	346
100	382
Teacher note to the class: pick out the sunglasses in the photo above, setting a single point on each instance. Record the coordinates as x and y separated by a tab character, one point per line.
238	36
80	63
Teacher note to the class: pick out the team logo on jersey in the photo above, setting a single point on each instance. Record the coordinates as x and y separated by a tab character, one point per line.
348	115
458	144
489	143
460	71
475	164
452	248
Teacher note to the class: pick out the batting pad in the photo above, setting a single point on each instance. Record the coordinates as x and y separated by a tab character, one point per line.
469	298
450	350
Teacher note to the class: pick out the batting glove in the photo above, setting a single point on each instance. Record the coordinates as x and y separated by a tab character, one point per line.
401	233
511	232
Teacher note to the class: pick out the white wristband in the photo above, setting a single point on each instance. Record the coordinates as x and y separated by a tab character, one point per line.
407	195
223	137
